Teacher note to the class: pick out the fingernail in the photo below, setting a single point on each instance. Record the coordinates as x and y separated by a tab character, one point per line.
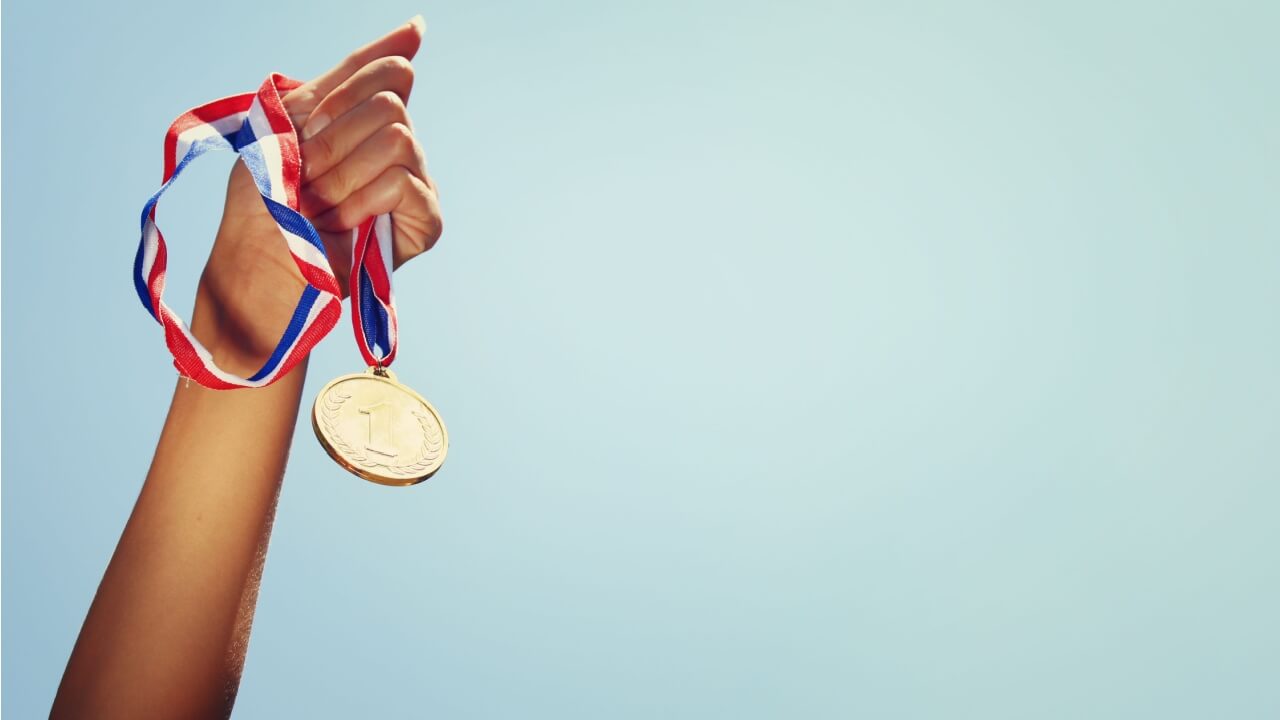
418	22
315	124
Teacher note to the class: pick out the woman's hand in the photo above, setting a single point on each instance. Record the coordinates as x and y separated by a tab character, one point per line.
359	158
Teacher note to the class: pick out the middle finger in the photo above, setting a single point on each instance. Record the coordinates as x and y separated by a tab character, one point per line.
341	137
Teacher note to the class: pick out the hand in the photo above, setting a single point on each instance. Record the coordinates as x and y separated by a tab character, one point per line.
359	158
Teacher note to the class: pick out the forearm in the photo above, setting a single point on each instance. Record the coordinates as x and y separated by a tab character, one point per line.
166	633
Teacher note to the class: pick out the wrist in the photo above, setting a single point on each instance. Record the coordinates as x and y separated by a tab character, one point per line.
234	349
245	298
238	336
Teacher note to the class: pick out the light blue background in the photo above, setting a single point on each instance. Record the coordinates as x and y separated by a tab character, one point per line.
800	360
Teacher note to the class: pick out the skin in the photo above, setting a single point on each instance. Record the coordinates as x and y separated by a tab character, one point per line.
167	632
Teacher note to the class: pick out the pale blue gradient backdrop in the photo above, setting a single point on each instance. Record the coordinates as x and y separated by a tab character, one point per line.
803	360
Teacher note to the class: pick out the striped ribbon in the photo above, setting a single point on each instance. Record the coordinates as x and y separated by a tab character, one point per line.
256	126
373	307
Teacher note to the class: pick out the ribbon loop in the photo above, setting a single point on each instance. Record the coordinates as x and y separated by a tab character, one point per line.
256	126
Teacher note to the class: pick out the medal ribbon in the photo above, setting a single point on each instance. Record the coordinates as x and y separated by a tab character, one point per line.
373	307
256	126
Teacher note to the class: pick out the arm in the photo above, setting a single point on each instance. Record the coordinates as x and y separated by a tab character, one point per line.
167	632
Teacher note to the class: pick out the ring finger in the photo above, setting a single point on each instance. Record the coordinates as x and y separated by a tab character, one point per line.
391	145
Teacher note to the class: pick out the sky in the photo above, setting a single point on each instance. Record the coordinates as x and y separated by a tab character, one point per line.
822	360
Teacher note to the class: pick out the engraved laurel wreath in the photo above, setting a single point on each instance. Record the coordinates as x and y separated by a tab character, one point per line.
432	439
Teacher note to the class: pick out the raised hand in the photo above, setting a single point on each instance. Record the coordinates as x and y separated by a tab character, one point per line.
359	154
359	158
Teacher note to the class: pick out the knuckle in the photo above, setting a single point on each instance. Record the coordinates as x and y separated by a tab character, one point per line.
397	67
390	105
401	137
404	178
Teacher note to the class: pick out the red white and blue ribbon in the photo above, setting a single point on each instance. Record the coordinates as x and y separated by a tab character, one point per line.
256	126
373	307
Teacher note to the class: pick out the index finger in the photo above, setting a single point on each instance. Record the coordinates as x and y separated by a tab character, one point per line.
404	41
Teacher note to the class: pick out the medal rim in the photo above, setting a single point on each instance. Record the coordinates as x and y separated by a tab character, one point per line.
390	379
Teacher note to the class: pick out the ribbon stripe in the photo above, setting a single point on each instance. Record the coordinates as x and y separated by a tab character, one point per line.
256	126
373	307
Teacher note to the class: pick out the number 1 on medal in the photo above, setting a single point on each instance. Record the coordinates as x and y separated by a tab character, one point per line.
374	423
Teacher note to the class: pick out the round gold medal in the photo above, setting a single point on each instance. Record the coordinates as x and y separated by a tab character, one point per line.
379	429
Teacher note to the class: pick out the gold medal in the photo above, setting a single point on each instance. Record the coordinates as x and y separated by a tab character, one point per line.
379	429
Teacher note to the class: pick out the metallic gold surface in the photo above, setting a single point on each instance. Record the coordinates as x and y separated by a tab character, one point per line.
379	429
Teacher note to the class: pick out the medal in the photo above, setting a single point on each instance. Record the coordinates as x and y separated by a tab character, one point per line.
368	422
379	429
